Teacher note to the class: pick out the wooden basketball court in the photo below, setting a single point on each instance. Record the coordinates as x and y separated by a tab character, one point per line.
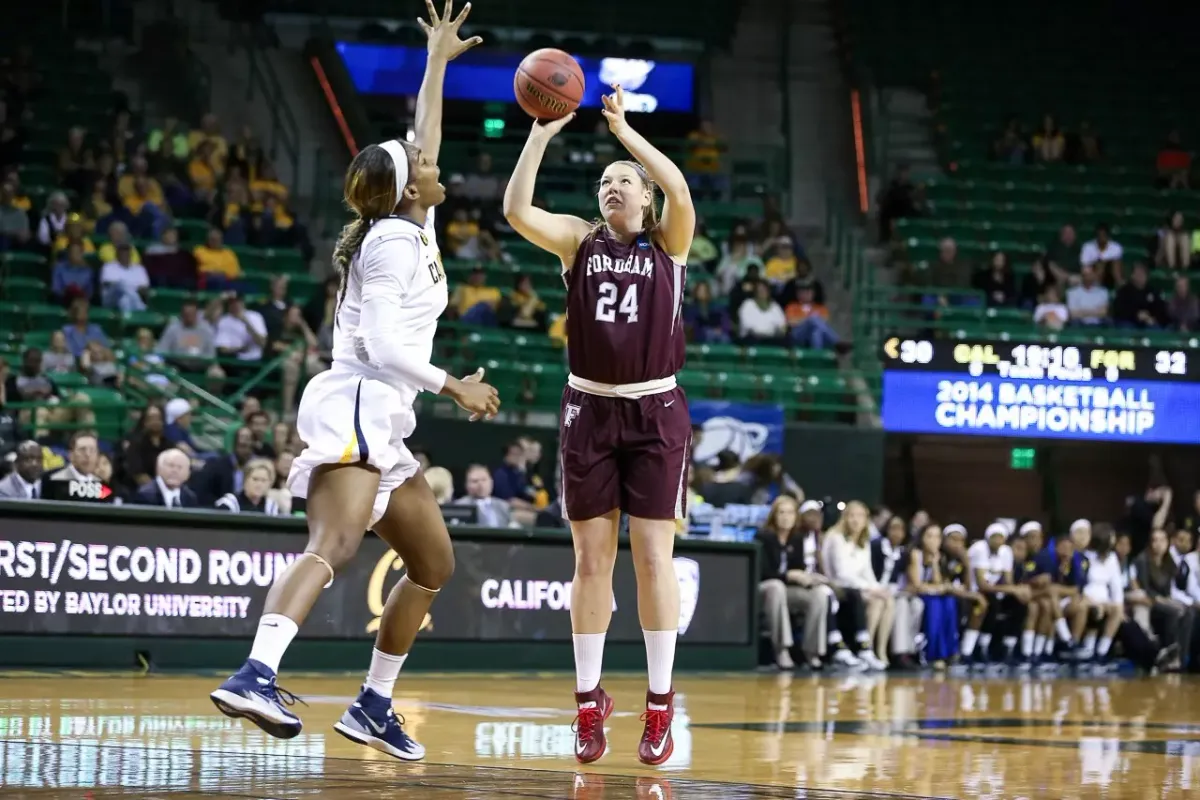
97	735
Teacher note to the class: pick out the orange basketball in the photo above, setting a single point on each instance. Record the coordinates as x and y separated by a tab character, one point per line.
548	84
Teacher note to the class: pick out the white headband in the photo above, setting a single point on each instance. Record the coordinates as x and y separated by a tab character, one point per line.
400	161
994	529
953	528
1080	523
1032	525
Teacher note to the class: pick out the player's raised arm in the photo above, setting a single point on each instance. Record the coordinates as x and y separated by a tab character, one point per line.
679	214
444	46
559	234
378	342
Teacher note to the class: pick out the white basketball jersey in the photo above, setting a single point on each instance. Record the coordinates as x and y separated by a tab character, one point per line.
421	283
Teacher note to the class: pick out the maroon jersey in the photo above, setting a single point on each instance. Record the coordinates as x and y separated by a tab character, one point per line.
624	311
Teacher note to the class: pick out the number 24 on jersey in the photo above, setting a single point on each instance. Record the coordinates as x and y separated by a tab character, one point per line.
607	307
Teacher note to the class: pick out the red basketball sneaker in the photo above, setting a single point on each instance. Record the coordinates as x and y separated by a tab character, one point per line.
657	745
594	708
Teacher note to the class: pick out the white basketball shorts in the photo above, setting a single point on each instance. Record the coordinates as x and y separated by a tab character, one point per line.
345	418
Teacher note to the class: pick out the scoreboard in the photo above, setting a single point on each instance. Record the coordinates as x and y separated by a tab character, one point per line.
1032	390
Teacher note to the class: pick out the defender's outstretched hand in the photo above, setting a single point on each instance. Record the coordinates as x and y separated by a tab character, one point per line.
443	31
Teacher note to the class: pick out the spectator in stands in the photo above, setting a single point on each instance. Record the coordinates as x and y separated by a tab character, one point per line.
1010	147
122	139
706	320
897	201
169	487
72	277
54	220
511	482
846	555
168	265
73	233
254	497
237	221
279	491
1088	302
14	221
97	210
1051	313
99	363
1174	163
493	512
178	429
803	279
204	174
441	482
462	235
83	454
739	256
809	322
276	306
1084	147
761	320
265	184
246	154
726	486
300	344
703	162
790	584
704	253
1106	256
189	337
123	284
997	282
475	302
10	419
273	226
217	265
137	186
1063	253
145	443
948	270
241	333
1174	243
482	184
259	423
1035	283
75	160
223	474
58	357
522	308
1136	304
1183	309
209	133
1049	142
79	331
118	235
780	261
25	482
168	147
33	385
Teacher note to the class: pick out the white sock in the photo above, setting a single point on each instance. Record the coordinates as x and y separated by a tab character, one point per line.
1103	646
275	634
1039	645
1062	629
1027	646
1010	644
660	659
985	644
589	660
835	637
384	669
1089	645
1048	647
970	637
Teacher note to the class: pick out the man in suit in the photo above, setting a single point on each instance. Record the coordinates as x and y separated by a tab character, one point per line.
169	489
26	481
84	456
493	512
222	474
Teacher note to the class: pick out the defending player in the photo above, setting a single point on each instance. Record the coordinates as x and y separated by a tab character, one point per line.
355	471
625	426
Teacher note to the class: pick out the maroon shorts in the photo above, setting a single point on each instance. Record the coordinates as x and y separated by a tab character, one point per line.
627	454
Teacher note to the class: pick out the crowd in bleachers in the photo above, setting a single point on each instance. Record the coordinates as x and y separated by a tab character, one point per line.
878	591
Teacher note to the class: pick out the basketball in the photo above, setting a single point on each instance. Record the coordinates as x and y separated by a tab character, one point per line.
548	84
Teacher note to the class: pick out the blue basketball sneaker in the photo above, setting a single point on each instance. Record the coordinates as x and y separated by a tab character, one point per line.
373	722
253	694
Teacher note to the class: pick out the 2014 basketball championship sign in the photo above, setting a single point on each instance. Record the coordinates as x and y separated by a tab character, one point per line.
1040	391
198	580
